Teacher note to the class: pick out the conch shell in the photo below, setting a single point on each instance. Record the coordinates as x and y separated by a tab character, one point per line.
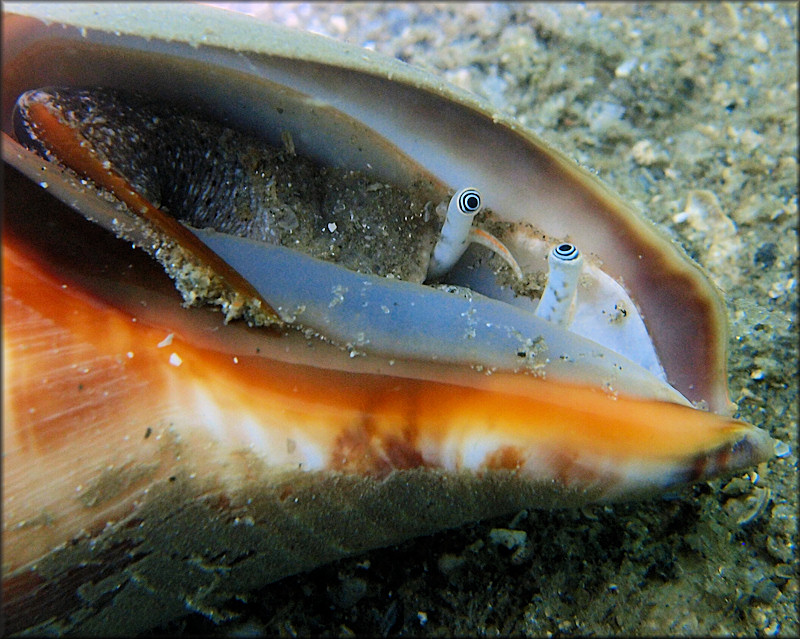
158	458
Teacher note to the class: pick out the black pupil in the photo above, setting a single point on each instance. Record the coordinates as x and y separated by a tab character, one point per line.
471	202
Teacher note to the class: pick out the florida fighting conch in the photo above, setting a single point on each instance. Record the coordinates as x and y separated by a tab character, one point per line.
270	300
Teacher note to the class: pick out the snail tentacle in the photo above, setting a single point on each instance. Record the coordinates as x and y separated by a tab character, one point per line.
457	233
565	263
453	238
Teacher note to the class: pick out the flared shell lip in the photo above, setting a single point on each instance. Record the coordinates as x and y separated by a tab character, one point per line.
201	27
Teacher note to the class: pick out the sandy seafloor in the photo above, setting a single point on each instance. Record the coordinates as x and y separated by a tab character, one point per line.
689	111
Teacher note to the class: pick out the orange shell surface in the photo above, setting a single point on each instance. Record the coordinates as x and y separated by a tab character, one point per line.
127	416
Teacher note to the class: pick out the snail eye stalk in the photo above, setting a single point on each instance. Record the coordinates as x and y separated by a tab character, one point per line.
454	236
457	233
565	263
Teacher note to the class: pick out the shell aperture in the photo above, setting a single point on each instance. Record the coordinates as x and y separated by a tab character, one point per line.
212	179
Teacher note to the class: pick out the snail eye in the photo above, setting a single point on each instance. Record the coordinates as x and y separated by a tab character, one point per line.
566	252
469	201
